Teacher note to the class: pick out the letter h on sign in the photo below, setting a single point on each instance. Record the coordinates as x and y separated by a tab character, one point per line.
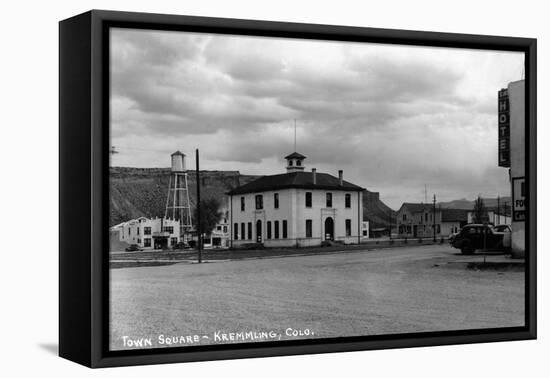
503	129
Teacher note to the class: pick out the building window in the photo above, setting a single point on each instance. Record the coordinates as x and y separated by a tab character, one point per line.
169	229
276	200
242	203
224	229
173	241
269	229
425	217
243	232
309	228
236	231
129	231
259	202
138	230
404	217
365	233
348	227
348	200
329	199
146	230
438	229
147	242
249	230
308	199
290	163
298	163
285	229
276	226
139	241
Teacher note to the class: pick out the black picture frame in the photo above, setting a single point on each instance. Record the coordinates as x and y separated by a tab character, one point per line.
83	180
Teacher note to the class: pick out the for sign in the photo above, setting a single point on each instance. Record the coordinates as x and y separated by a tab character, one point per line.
519	200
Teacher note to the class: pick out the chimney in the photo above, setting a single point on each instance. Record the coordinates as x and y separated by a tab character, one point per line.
314	174
340	177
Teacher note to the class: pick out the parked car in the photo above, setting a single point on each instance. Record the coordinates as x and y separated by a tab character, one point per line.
480	236
133	248
503	228
452	237
181	245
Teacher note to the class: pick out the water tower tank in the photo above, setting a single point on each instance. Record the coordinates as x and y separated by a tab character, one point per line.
178	162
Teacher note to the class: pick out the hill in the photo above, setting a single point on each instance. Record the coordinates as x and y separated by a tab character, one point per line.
139	192
375	211
465	204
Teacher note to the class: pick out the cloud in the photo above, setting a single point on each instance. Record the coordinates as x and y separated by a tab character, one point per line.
393	117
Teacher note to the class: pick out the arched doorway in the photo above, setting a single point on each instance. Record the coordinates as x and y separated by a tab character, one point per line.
329	229
258	231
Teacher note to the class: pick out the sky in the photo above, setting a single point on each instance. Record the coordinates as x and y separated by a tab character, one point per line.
399	120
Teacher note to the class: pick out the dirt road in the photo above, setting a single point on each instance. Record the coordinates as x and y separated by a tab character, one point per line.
394	290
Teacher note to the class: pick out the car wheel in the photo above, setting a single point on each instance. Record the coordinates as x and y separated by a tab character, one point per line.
466	249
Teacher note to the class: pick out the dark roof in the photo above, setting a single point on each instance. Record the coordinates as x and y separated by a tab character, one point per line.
178	153
416	207
295	155
299	180
454	215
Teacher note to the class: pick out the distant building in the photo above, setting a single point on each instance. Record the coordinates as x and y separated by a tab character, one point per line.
452	220
416	220
296	208
493	217
219	237
379	232
155	233
365	232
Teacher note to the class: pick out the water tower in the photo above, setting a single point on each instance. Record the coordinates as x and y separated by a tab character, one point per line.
178	205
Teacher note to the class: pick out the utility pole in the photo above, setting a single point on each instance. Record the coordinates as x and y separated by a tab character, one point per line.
506	211
498	211
199	223
390	223
434	219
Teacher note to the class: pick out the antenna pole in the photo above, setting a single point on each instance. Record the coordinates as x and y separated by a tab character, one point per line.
434	224
199	223
294	135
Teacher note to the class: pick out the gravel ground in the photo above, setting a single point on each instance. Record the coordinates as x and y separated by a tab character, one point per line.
410	289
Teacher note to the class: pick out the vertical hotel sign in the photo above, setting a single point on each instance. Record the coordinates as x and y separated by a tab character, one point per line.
503	129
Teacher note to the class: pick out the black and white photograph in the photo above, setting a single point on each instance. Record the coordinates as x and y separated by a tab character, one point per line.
266	189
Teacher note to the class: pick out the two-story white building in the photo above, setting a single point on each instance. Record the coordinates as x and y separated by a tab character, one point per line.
219	237
147	233
296	208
